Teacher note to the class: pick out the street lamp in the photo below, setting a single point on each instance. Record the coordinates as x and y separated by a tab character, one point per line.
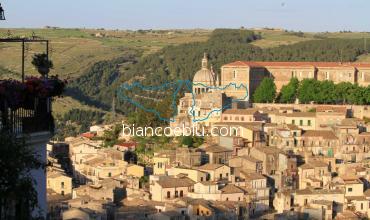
2	15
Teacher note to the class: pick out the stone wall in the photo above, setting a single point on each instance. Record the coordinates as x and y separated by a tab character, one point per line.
357	111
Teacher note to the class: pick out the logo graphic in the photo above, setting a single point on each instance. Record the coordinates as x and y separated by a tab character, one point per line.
175	88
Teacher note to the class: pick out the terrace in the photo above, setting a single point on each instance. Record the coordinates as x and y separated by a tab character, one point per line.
36	117
25	107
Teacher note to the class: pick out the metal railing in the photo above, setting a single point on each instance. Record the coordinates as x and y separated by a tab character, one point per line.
34	116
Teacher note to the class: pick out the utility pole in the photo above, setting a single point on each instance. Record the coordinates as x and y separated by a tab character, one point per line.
114	108
365	45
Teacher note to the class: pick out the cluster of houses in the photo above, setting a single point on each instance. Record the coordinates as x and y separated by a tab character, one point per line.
288	163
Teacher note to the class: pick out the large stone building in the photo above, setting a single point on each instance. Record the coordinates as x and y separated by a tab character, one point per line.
252	73
212	94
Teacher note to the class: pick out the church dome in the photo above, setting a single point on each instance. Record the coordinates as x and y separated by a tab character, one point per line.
204	75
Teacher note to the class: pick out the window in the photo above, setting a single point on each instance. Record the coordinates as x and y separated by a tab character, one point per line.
287	143
168	194
176	194
293	122
225	118
201	179
109	174
242	119
62	185
309	122
181	193
305	201
349	189
220	175
362	206
234	74
62	193
300	122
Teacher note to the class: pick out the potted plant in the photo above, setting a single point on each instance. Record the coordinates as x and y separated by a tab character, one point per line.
42	63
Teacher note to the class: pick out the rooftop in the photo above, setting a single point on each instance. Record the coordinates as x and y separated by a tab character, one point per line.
171	182
209	166
296	64
320	133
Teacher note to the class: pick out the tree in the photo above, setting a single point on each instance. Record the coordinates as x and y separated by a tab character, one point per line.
326	92
17	190
342	91
288	93
307	90
265	92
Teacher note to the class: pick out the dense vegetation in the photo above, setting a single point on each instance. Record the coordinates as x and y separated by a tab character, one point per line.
288	93
77	121
311	90
18	195
88	87
265	92
326	92
172	63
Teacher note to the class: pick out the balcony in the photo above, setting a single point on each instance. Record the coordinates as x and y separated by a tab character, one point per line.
25	107
32	116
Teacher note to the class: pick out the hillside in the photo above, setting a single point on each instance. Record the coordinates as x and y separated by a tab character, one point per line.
97	62
182	61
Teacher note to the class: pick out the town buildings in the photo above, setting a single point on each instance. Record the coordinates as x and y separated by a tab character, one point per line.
302	161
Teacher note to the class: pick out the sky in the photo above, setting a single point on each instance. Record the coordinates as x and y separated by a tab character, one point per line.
298	15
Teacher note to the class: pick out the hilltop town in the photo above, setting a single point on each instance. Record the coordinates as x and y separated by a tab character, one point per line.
291	161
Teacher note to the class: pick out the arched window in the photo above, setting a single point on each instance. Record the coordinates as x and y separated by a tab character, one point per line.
168	194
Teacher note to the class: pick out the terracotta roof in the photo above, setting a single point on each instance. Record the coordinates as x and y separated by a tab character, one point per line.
230	188
328	108
55	175
251	159
210	166
171	182
319	191
216	149
320	133
295	64
88	135
252	176
300	114
293	127
247	111
317	163
268	150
